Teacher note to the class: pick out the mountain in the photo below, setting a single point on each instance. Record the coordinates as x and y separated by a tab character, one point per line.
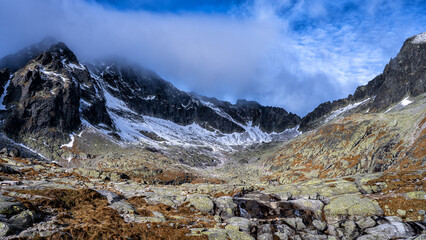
380	128
403	76
53	95
147	161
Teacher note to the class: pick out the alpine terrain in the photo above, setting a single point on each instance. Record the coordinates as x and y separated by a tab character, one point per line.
109	150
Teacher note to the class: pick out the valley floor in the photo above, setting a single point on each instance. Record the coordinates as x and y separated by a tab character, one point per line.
42	200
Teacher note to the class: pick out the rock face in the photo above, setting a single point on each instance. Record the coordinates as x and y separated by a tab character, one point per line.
43	97
51	94
403	76
146	93
380	128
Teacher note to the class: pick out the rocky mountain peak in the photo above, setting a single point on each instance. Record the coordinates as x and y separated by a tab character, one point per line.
403	77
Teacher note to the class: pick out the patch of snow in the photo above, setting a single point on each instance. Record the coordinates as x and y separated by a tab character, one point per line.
339	111
3	107
406	101
149	97
419	39
54	75
115	103
70	144
74	66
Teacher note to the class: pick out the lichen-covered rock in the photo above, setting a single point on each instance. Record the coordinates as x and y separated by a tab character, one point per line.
201	202
24	219
160	199
420	195
225	206
122	207
5	229
10	208
315	206
350	206
296	223
366	222
243	224
319	225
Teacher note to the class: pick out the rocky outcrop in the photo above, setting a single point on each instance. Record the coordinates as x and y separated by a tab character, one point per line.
51	94
404	76
147	94
4	77
43	97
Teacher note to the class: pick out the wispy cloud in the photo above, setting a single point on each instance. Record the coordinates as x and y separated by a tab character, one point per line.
293	54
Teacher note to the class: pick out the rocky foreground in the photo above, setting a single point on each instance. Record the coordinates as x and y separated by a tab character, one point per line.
41	200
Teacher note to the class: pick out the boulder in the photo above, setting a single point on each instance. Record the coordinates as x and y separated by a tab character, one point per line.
24	219
243	224
201	202
315	206
295	223
14	153
319	225
5	229
110	196
122	207
10	208
391	230
350	206
225	207
366	222
160	199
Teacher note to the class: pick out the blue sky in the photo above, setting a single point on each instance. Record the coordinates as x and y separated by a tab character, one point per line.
294	54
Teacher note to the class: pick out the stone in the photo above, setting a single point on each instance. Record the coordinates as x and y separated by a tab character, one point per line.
421	237
236	235
216	234
10	208
401	213
201	202
24	219
366	222
284	232
4	152
319	225
122	207
391	230
160	199
14	153
420	195
342	207
313	236
315	206
110	196
265	236
264	228
139	219
5	229
351	230
367	237
243	224
225	206
295	223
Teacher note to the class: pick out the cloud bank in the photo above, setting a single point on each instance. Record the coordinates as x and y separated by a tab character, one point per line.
292	54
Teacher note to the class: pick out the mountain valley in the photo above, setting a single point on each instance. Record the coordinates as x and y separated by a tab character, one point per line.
109	149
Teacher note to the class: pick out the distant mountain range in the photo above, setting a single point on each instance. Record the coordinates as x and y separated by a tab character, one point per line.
48	93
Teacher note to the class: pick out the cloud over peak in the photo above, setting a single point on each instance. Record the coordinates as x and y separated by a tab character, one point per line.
292	54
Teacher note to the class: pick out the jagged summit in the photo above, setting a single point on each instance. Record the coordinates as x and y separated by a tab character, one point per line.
54	95
403	77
